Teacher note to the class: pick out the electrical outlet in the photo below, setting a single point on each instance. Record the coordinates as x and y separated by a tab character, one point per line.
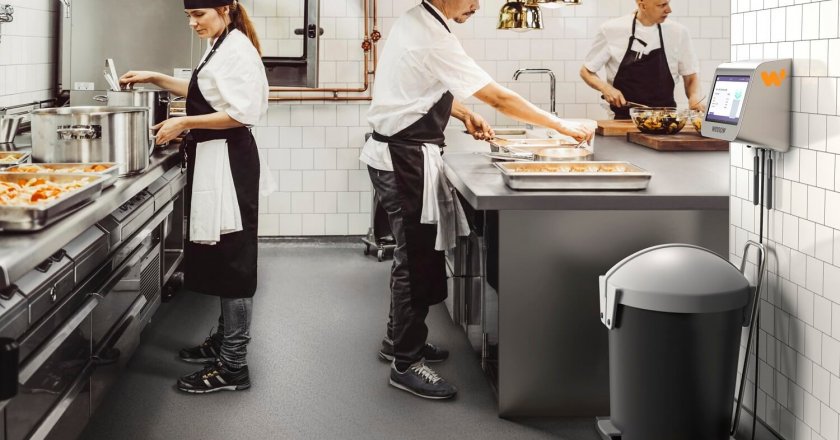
79	85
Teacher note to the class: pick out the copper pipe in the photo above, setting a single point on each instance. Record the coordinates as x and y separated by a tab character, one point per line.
367	71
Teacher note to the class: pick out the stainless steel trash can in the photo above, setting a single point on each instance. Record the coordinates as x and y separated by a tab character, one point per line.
675	314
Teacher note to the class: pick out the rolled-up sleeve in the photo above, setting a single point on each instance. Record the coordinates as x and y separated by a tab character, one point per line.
242	87
599	54
451	65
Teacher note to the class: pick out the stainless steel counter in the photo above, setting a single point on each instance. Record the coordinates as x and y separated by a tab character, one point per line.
681	180
20	252
530	295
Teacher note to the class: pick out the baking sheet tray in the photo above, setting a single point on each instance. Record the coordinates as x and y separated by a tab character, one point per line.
33	218
503	144
13	157
593	175
111	172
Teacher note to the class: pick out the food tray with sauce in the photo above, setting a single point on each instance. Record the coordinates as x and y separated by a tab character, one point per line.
576	175
13	157
59	195
109	169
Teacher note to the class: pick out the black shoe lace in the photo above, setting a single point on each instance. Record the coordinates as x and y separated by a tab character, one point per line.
428	375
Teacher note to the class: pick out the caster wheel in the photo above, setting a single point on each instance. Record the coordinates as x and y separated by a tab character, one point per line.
367	249
173	286
380	255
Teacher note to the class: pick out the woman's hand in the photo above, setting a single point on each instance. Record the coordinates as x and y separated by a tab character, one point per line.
169	129
138	76
478	127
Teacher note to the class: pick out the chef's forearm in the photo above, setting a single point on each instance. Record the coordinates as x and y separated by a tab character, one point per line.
175	85
593	80
459	111
517	107
692	88
212	121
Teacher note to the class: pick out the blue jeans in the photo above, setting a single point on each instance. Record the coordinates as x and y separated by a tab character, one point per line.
235	329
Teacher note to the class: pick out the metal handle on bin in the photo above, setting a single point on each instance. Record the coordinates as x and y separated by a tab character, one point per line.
750	321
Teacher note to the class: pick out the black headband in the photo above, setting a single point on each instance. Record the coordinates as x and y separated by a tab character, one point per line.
200	4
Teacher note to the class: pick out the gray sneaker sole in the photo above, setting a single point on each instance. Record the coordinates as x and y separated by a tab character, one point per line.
197	360
213	390
390	358
425	396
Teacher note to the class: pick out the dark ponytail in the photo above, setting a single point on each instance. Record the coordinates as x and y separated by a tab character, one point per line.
240	20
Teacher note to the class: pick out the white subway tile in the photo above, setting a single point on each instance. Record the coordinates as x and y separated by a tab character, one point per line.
798	268
830	346
815	275
312	181
822	385
819	58
357	224
802	58
822	322
302	115
816	204
303	202
805	312
289	224
832	144
807	237
335	224
289	180
750	28
359	180
302	159
799	200
828	19
828	421
811	21
835	392
824	245
834	56
737	29
290	137
763	21
347	159
326	203
347	115
832	209
336	180
831	290
808	167
828	96
793	22
825	170
348	202
312	224
790	236
810	95
799	128
778	18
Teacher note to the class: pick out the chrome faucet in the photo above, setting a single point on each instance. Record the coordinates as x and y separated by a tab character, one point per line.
551	78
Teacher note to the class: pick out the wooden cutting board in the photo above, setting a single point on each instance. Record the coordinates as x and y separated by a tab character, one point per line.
683	141
612	127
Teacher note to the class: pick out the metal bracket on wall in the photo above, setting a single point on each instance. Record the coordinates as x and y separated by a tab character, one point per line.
6	15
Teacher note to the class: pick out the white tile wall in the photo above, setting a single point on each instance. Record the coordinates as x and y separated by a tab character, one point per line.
803	289
329	136
27	52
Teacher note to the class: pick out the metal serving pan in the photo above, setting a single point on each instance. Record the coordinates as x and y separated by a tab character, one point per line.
544	154
13	157
112	170
562	175
33	218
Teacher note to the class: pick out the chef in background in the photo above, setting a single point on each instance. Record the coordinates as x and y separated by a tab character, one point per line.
422	76
644	55
228	93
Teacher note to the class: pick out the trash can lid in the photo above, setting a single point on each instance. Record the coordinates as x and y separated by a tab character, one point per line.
674	278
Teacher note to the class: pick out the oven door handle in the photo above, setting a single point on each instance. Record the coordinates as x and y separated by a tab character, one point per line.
47	350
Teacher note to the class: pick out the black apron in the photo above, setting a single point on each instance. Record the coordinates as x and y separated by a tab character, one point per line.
427	267
645	79
228	268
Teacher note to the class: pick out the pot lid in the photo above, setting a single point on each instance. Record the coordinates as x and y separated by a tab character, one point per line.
673	278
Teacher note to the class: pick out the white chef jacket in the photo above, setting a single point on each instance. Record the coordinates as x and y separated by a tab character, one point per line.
420	62
234	80
611	43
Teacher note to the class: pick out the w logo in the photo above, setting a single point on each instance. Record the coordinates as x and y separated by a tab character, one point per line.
773	78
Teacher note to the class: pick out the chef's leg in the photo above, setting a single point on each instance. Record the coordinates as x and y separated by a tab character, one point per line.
406	324
237	321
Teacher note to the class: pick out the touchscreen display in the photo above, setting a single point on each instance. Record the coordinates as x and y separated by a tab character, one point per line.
727	99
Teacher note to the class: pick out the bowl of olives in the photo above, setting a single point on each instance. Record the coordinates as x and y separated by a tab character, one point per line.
697	117
659	120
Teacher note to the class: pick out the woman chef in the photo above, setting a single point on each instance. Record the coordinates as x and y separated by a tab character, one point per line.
228	92
422	74
644	57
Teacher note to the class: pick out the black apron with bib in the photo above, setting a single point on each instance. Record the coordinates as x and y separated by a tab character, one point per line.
228	268
427	267
645	79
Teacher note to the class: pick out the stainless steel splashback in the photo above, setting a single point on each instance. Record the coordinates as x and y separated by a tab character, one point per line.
138	35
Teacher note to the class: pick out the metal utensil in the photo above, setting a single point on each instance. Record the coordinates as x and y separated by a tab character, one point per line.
110	81
631	103
110	63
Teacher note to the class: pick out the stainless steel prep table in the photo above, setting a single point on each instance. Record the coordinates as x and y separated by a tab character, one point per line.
20	252
528	298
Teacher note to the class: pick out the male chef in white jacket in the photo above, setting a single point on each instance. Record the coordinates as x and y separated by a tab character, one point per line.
422	75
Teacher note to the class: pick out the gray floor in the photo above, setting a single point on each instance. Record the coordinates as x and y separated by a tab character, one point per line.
319	315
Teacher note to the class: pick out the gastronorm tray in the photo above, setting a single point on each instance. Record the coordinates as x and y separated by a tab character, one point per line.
33	218
13	157
563	175
503	144
111	171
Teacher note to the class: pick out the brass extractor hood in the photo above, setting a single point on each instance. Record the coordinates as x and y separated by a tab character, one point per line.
520	16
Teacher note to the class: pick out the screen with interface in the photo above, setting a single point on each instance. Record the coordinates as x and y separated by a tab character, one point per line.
727	99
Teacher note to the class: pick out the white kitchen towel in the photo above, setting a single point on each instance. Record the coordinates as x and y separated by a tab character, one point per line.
267	183
440	202
214	209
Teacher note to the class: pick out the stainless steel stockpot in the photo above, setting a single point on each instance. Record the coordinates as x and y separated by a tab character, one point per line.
92	134
157	101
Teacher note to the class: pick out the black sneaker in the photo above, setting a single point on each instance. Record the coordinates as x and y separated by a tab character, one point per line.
431	353
422	381
207	352
215	377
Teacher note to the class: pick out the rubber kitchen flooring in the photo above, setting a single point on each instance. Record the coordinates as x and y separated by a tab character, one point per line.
319	315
